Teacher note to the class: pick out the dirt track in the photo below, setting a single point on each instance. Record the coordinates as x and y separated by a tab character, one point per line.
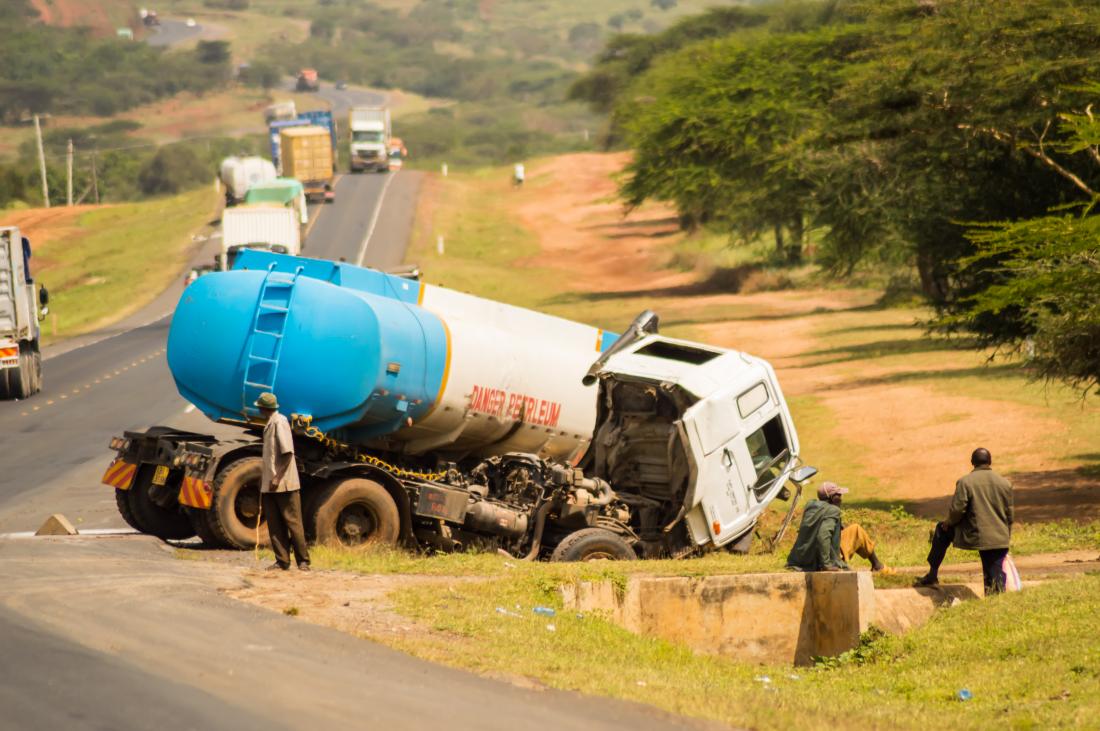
917	435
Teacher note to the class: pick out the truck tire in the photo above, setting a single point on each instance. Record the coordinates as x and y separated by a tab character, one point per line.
591	544
355	512
36	372
164	523
200	522
22	378
122	500
236	505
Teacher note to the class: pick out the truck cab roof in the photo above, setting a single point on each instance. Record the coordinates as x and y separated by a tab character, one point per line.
699	369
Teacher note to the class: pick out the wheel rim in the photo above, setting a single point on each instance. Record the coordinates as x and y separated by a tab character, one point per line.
247	505
355	524
600	554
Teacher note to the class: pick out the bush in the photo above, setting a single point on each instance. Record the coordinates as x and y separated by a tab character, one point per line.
172	169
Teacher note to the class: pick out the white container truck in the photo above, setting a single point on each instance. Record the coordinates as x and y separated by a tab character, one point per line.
369	131
239	174
20	356
264	227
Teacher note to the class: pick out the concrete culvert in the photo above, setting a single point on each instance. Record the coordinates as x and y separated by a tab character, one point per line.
593	544
354	512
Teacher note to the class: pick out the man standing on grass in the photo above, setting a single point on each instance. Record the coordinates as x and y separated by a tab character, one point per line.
980	519
823	543
279	489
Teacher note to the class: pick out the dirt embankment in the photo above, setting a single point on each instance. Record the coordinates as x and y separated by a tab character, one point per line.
893	397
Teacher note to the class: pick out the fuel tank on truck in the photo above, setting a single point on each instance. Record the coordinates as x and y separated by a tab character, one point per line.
384	362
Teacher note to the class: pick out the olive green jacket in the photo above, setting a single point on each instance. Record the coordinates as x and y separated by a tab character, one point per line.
817	546
981	511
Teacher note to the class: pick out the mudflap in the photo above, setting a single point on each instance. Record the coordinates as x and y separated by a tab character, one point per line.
120	474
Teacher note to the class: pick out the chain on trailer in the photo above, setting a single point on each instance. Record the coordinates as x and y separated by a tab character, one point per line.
336	447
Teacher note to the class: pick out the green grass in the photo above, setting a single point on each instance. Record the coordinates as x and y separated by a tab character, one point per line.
1018	654
119	259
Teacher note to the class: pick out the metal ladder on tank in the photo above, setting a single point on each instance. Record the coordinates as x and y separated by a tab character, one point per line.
265	341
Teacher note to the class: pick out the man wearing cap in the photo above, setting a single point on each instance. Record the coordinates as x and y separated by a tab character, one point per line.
279	489
980	518
823	543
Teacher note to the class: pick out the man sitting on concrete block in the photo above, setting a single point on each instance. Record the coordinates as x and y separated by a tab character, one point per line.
824	543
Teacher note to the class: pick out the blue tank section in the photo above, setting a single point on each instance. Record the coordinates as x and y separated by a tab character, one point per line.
287	323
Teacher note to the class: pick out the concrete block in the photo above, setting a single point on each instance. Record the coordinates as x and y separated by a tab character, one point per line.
900	610
56	525
783	617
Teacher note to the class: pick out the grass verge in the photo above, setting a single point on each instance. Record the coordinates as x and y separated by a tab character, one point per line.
1030	660
117	259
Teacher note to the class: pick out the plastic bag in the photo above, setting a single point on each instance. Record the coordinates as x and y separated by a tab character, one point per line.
1012	575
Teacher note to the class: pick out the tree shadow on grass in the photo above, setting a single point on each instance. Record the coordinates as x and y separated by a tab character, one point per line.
1007	370
1038	497
887	348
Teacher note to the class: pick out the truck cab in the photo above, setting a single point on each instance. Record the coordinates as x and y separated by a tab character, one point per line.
369	131
693	438
20	356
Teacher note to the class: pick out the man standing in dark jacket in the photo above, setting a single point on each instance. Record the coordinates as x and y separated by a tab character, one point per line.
980	519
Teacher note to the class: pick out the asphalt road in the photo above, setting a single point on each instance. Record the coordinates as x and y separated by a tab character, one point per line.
170	32
341	100
115	632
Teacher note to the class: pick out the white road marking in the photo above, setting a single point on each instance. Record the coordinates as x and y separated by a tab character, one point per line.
374	219
80	532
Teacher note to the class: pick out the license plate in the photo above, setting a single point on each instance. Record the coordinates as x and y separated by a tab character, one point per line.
161	475
437	502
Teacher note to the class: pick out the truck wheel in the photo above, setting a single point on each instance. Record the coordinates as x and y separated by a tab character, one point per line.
591	544
22	379
164	523
236	506
122	500
36	372
355	512
200	522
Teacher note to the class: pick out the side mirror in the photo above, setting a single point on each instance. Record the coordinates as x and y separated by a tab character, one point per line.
43	296
802	474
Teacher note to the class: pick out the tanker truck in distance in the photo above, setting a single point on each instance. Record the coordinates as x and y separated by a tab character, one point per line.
443	421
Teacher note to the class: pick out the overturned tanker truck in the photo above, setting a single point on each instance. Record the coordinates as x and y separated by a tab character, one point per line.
442	421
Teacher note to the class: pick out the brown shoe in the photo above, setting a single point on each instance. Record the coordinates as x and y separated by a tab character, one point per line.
278	566
304	567
927	581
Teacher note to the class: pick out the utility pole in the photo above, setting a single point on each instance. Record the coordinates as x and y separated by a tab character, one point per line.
95	180
69	165
42	162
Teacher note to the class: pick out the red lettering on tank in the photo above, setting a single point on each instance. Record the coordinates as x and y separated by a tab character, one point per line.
514	406
553	413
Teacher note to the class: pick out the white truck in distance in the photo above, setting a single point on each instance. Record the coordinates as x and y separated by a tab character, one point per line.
369	132
20	356
271	228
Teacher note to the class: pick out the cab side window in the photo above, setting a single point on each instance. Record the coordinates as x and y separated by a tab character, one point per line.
769	451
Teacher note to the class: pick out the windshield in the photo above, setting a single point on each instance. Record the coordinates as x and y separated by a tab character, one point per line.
366	136
770	453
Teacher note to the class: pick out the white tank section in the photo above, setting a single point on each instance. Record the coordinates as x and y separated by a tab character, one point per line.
238	174
512	382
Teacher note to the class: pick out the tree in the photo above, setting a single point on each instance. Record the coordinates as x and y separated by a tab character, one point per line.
172	169
717	130
1042	296
663	4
